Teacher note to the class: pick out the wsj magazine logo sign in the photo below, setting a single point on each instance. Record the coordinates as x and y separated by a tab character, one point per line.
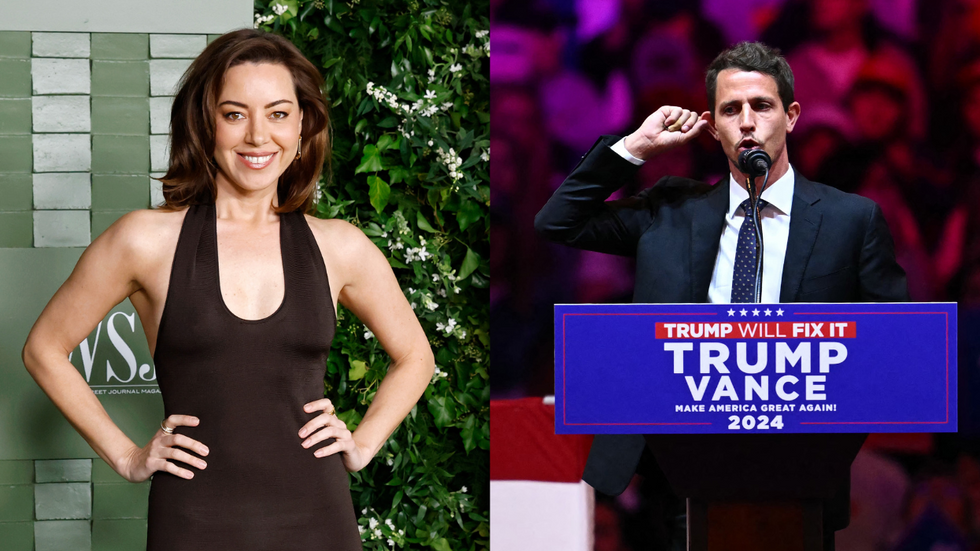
119	364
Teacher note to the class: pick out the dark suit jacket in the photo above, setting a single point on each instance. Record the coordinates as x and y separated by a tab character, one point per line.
839	250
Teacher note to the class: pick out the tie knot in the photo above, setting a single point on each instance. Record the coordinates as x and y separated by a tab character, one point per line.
747	205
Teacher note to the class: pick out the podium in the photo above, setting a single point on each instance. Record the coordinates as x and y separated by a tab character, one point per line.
755	416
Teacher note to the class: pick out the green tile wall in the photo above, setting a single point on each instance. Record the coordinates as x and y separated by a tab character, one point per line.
16	472
17	536
129	116
120	47
118	535
16	502
16	229
16	81
120	192
16	192
127	154
15	115
120	501
16	153
15	44
64	504
121	78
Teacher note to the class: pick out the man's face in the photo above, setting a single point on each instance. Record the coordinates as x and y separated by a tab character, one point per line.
749	114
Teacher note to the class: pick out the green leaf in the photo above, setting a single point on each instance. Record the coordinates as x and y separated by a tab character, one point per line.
443	411
441	544
470	263
394	263
468	213
370	161
468	432
423	223
357	370
379	191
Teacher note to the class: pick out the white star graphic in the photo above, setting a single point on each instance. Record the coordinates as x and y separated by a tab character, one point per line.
755	312
731	312
768	312
779	312
743	312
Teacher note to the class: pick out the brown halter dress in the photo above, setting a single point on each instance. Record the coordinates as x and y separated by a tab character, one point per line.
247	382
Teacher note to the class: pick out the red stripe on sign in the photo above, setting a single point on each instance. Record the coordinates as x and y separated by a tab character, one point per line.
757	330
524	446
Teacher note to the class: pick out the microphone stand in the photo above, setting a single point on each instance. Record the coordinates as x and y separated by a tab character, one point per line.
756	223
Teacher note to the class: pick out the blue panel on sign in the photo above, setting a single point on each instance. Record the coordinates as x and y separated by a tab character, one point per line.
728	368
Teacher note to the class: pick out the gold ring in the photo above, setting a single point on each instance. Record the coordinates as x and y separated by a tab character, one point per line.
332	411
165	428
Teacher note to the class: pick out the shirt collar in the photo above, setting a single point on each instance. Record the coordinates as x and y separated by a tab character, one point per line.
778	194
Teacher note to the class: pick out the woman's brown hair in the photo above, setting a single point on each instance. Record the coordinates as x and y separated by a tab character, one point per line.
190	179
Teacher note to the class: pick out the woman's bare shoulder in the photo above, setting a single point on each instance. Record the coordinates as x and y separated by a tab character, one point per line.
337	236
149	234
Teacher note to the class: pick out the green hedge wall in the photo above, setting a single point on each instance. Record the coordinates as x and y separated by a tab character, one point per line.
408	87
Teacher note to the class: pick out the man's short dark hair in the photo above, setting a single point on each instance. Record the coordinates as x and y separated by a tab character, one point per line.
752	56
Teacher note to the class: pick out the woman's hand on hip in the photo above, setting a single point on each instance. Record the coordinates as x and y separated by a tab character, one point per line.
164	447
328	425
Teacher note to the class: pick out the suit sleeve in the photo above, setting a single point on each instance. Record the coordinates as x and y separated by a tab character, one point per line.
881	278
578	214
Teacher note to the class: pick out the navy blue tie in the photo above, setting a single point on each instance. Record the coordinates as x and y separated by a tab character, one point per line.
743	277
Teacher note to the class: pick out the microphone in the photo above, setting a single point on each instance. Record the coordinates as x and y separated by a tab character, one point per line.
754	162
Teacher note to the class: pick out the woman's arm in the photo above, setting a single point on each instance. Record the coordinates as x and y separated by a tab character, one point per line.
371	292
106	273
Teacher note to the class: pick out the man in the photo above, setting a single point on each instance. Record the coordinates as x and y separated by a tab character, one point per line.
821	245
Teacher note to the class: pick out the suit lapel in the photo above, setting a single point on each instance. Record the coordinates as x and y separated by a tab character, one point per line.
707	222
804	224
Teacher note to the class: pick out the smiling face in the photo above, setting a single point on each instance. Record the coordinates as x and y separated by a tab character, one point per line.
749	114
257	127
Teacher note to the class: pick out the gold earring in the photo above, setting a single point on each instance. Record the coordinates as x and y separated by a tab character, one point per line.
299	149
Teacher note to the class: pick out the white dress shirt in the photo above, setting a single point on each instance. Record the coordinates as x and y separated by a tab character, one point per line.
775	233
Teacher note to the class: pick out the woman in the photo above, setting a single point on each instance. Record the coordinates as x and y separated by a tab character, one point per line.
237	291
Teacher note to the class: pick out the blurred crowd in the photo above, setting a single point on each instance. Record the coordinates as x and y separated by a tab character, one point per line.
890	97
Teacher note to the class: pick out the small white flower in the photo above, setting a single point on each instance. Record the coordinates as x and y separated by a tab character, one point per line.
429	94
447	105
360	528
462	333
390	461
364	511
368	335
389	524
279	9
432	73
414	305
435	277
481	34
401	532
485	156
440	326
373	523
455	68
463	489
384	234
391	542
377	532
430	143
441	292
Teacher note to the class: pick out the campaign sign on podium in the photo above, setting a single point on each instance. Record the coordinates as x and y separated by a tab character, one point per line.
756	368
